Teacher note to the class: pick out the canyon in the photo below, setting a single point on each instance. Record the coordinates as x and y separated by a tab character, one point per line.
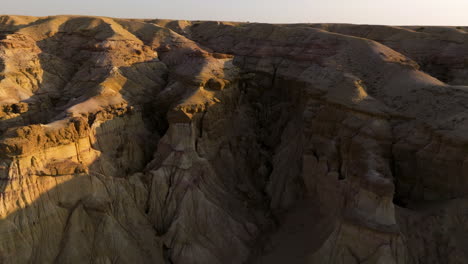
187	142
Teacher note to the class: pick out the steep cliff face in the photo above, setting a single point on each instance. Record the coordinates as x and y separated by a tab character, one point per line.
156	141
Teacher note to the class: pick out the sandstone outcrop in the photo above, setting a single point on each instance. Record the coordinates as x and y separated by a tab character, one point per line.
158	141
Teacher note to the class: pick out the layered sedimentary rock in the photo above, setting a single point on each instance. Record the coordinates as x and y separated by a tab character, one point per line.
156	141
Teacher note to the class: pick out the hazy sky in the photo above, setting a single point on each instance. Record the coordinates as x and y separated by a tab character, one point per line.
394	12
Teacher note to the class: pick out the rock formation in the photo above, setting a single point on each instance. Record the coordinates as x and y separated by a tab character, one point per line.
157	141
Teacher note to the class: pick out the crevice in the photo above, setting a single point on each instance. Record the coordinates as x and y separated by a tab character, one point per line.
397	198
200	124
339	154
167	252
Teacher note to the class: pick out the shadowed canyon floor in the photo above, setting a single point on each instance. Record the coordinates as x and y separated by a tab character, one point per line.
158	141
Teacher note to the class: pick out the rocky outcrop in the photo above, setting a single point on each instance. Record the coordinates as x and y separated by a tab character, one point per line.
157	141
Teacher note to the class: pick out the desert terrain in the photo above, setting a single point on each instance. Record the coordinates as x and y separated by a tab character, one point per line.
199	142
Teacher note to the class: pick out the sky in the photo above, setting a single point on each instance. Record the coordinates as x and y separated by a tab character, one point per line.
388	12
